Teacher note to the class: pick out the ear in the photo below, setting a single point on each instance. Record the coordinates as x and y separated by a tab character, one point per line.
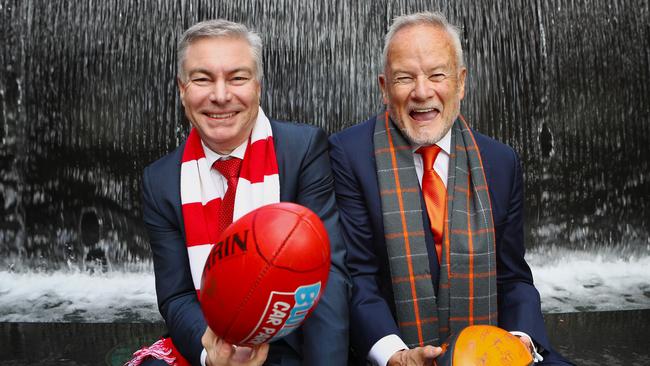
382	85
181	89
461	83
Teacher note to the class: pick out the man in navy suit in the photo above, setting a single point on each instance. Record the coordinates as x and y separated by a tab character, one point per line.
385	221
220	70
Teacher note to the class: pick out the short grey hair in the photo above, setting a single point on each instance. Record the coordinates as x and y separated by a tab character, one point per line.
435	19
217	28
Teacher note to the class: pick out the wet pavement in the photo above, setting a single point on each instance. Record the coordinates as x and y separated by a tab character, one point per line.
590	338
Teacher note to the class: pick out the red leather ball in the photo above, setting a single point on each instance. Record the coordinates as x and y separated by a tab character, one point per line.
266	274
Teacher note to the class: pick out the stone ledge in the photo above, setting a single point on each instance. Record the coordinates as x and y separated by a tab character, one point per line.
590	338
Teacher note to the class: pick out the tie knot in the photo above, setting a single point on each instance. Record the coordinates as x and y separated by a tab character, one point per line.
228	168
429	155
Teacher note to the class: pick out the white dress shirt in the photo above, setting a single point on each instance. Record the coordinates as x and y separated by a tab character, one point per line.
212	156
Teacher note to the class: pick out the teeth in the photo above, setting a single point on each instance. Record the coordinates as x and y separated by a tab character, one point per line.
222	115
423	110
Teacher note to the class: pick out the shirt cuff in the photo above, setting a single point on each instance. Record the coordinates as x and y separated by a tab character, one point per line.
204	355
384	348
536	356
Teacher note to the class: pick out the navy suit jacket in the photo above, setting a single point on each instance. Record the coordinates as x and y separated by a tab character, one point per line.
372	310
305	178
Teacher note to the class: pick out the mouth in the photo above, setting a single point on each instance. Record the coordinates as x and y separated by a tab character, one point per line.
424	114
221	115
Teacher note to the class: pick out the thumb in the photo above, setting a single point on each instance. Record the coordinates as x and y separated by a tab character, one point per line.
430	352
208	338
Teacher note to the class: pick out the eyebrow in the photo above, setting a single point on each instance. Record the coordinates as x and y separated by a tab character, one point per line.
233	71
197	71
442	66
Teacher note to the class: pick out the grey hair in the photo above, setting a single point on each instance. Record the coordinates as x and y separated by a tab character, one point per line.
435	19
217	28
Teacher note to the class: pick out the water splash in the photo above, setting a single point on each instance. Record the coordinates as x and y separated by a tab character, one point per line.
568	281
77	297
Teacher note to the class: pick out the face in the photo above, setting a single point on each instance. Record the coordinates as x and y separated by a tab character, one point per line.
422	84
221	95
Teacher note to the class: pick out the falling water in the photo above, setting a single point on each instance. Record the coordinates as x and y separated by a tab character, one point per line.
88	98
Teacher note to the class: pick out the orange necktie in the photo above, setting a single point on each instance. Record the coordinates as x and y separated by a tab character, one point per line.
230	170
435	194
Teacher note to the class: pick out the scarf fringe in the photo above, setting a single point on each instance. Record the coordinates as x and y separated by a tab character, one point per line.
159	350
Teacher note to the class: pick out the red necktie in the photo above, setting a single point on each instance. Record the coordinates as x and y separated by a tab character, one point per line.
230	170
435	194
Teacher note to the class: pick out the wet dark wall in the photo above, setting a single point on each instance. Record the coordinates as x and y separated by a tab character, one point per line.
88	98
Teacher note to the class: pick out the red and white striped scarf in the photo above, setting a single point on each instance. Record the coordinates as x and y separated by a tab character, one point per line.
258	185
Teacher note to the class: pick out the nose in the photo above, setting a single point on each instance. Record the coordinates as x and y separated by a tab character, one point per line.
220	93
423	89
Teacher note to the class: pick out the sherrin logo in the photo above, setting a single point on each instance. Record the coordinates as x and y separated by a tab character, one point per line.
284	312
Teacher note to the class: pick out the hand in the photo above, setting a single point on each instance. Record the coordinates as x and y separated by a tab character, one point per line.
528	343
530	346
222	353
415	357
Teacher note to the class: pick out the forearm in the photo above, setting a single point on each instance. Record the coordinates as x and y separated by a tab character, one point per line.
175	290
518	299
186	326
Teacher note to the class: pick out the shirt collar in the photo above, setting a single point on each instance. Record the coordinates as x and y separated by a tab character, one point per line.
444	143
211	156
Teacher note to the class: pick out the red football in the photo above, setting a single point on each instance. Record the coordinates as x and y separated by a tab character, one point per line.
266	274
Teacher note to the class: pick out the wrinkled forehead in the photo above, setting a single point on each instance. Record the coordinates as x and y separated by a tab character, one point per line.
422	44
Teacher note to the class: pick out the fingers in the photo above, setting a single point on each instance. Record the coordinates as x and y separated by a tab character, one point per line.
242	354
218	350
250	356
527	342
419	356
222	353
260	354
209	339
207	335
429	353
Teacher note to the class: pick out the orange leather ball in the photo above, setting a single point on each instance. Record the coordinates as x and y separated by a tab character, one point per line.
484	345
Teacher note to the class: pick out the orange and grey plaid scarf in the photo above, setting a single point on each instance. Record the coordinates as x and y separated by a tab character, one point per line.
467	292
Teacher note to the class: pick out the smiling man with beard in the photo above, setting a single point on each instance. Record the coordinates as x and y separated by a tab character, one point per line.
432	211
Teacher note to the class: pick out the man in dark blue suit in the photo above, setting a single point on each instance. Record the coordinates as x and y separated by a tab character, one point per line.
220	70
432	211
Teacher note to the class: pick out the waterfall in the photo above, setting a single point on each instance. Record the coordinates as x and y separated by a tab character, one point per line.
88	98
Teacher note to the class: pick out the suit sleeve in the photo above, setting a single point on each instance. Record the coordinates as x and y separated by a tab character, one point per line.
518	299
325	333
370	315
177	300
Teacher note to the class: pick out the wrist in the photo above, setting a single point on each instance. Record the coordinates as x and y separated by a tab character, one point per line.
385	348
